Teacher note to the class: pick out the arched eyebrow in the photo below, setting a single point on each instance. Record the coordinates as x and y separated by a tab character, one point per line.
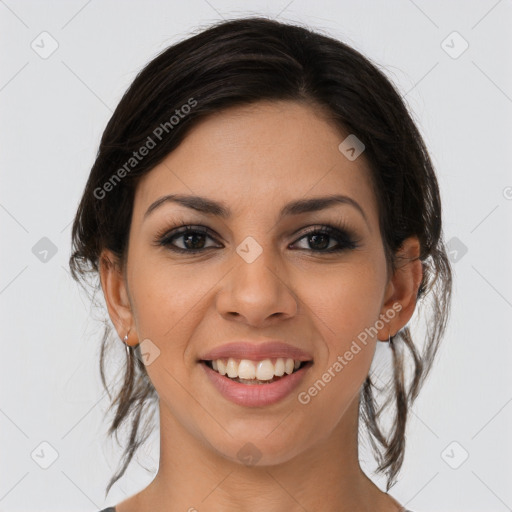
220	209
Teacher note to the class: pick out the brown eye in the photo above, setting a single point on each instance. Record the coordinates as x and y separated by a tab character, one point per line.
192	238
319	239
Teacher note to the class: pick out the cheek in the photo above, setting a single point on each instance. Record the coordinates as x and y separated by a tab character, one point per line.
165	297
345	300
169	302
345	306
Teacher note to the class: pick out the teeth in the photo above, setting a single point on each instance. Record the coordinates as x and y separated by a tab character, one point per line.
246	369
255	370
279	368
264	370
232	368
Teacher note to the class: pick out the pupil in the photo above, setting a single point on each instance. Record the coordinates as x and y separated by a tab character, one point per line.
325	237
194	238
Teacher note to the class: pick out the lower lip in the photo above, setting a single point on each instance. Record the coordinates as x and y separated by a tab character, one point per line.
255	395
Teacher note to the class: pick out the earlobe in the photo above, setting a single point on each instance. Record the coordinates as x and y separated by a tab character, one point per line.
402	290
115	292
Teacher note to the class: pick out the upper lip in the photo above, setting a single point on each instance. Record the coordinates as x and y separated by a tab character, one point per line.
256	351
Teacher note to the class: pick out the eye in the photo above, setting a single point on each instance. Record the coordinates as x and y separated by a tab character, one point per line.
320	238
192	237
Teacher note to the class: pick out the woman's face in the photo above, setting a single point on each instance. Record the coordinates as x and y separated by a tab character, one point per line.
257	276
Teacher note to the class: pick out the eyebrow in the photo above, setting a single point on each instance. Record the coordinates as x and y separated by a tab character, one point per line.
219	209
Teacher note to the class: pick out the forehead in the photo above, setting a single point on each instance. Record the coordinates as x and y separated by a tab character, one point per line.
260	156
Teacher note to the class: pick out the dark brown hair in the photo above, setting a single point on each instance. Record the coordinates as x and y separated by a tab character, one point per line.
243	61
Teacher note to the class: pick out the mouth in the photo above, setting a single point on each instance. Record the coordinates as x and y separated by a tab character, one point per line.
252	372
255	383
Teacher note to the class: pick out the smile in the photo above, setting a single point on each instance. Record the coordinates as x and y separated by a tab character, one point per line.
255	372
255	383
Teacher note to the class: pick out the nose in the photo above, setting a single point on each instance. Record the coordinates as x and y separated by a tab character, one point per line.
257	293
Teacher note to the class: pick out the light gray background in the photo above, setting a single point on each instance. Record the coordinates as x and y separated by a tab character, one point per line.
53	111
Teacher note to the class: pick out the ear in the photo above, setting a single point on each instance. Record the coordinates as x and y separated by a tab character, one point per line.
116	295
402	288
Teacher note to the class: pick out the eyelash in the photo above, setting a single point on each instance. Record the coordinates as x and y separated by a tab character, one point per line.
343	236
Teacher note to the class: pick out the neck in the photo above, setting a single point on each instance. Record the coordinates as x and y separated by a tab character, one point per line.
194	477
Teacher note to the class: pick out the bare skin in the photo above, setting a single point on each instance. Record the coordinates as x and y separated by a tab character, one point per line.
255	160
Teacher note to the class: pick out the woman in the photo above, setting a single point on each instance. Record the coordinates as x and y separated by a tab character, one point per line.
262	210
